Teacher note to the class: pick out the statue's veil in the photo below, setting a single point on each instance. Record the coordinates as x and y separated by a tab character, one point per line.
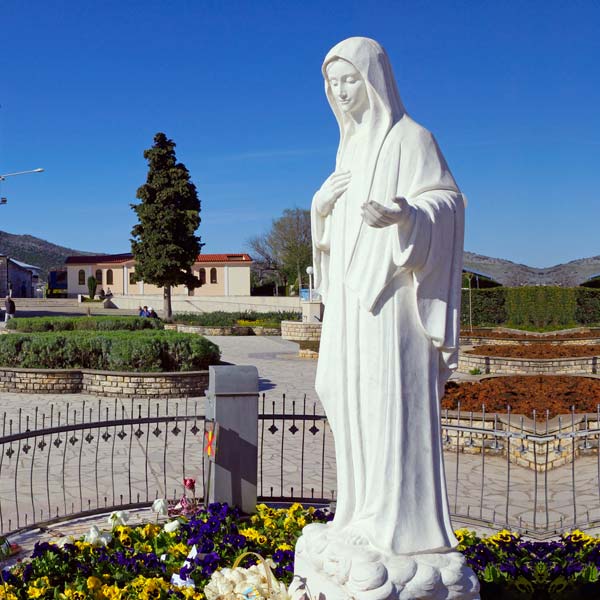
372	62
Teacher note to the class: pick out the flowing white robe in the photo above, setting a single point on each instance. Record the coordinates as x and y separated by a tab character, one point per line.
390	338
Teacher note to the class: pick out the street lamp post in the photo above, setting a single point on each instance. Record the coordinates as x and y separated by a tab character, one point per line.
309	270
3	177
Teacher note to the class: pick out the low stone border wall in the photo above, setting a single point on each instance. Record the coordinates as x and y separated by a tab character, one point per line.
496	365
214	330
530	446
481	341
104	383
300	332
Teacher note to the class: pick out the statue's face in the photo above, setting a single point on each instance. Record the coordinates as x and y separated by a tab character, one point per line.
348	87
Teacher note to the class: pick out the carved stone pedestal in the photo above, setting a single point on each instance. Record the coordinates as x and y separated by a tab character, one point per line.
329	568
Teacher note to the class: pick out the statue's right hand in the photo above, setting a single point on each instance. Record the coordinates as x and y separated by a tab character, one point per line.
333	187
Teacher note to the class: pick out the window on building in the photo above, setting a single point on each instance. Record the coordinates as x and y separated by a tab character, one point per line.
99	276
109	277
132	278
202	276
81	277
213	275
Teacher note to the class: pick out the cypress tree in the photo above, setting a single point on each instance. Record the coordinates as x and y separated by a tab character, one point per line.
164	243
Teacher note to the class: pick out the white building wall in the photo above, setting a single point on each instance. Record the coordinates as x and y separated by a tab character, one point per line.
238	280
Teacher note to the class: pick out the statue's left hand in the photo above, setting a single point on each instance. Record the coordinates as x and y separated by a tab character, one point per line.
377	215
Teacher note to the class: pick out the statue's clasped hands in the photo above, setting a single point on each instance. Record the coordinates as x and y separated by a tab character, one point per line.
333	187
377	215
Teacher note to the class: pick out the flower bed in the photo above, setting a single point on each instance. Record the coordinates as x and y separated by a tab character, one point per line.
525	393
140	562
231	319
510	567
177	559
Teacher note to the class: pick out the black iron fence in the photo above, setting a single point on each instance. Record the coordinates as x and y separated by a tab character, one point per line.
76	460
296	453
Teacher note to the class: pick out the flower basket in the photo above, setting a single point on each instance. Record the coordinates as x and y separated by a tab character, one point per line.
253	583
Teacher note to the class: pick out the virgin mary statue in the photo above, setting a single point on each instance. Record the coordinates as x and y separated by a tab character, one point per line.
387	230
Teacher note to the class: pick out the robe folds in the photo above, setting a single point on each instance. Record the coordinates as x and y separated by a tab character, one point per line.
390	335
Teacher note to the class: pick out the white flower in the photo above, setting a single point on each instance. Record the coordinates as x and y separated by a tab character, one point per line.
176	580
119	517
62	541
160	507
96	538
172	526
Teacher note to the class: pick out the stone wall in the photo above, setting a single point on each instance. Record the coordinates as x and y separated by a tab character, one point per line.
538	447
484	341
104	383
214	330
300	332
494	365
199	304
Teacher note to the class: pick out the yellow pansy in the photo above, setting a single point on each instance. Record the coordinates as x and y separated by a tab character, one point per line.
294	508
301	521
179	549
39	587
284	547
150	530
6	593
249	533
82	545
112	592
71	594
152	589
93	583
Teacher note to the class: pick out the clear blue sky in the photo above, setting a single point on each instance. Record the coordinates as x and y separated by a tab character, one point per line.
511	90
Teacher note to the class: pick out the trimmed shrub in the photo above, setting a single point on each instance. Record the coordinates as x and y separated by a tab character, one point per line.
541	306
229	319
111	350
40	324
488	305
588	306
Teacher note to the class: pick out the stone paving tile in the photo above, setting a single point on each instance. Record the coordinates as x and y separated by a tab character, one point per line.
281	372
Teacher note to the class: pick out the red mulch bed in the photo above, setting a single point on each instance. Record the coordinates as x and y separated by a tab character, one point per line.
556	393
536	351
506	335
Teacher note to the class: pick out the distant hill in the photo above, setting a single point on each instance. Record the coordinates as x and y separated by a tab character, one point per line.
48	256
35	251
506	272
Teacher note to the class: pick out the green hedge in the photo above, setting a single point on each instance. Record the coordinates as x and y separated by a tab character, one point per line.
40	324
229	319
489	307
111	351
539	307
588	306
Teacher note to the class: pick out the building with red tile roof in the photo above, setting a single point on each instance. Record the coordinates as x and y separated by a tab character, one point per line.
220	275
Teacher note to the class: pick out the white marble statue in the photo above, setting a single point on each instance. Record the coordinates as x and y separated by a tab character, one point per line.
387	230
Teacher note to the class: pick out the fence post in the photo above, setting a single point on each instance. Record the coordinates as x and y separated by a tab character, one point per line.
232	404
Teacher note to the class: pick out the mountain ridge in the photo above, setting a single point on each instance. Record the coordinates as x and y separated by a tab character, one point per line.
48	256
36	251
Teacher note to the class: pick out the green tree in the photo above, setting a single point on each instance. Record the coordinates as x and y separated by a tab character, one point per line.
92	284
164	243
285	251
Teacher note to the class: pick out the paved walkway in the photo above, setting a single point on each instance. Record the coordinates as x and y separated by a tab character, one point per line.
309	458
